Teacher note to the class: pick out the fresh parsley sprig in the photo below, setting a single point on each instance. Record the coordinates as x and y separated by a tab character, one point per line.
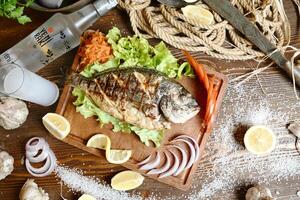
14	9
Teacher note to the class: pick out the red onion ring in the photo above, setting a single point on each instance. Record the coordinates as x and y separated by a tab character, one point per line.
192	151
173	169
196	145
33	146
184	160
165	167
152	164
145	160
42	169
33	157
45	170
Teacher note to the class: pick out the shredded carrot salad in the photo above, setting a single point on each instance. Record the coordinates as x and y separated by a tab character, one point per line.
211	87
94	48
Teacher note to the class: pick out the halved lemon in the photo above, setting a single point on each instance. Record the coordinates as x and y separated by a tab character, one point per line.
260	140
126	180
57	125
199	14
87	197
101	141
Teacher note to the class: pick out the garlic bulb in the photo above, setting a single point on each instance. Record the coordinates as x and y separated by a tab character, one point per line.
295	129
259	193
13	113
31	191
6	164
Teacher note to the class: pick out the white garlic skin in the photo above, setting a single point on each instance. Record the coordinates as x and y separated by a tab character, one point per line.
6	164
259	193
31	191
13	113
295	129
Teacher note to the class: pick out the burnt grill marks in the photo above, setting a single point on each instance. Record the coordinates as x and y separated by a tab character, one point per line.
139	90
145	96
110	85
119	88
131	87
123	96
102	82
99	91
147	103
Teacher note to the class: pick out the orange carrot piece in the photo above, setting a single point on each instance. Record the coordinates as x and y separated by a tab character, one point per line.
94	48
198	68
210	86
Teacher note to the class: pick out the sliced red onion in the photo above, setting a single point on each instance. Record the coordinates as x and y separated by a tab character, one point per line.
44	170
183	162
40	170
35	144
191	160
35	158
196	145
153	164
165	167
145	160
173	169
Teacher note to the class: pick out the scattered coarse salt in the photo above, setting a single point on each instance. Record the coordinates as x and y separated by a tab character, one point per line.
232	166
226	165
77	182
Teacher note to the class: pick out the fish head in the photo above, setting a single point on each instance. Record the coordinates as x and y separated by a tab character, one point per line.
178	105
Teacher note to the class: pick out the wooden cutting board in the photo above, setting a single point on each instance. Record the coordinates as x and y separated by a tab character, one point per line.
82	129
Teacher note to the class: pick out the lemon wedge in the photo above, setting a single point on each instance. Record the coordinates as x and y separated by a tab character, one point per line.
86	197
260	140
57	125
126	180
199	14
101	141
118	156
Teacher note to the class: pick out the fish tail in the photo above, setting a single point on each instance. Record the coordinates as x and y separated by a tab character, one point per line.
75	79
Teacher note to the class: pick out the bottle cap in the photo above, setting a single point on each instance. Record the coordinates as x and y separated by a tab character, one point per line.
103	6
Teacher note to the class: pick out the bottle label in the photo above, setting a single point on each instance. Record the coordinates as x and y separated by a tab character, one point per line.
45	44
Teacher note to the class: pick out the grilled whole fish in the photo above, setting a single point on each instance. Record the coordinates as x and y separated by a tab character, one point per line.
139	96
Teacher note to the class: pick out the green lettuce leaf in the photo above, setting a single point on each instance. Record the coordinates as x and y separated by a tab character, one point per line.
87	108
134	51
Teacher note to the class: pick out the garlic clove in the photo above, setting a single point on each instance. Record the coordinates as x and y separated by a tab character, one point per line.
295	128
6	164
259	192
31	191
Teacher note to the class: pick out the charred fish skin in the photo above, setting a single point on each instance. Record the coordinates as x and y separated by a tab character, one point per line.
140	96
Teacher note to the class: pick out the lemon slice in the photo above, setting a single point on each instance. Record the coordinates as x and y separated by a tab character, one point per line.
57	125
86	197
260	140
101	141
126	180
199	14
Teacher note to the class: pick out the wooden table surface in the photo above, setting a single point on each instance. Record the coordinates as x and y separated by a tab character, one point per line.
14	141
